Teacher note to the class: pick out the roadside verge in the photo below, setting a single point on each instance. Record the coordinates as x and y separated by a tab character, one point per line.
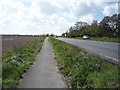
15	63
82	69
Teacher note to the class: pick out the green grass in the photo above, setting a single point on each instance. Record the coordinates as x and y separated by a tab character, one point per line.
82	69
16	62
104	39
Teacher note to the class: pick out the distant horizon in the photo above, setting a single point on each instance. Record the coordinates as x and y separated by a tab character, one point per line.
27	34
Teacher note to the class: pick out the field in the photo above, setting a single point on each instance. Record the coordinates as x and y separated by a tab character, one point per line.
82	69
21	54
10	43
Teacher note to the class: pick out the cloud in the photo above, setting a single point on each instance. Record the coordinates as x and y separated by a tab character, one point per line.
110	9
49	16
83	8
50	8
87	18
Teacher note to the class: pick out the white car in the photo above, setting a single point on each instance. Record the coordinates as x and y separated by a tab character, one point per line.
86	37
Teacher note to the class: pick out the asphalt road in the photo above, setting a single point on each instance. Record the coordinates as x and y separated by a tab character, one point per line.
44	72
104	49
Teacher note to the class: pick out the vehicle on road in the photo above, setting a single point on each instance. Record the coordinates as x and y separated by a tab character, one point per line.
86	37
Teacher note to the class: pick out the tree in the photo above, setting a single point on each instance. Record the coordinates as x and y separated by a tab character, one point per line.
79	25
95	23
109	26
113	23
74	33
64	35
52	35
47	35
71	29
118	23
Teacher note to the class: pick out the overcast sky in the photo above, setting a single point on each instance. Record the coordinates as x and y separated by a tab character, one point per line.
50	16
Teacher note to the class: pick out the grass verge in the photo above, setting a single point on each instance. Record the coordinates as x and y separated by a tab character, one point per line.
84	70
104	39
15	63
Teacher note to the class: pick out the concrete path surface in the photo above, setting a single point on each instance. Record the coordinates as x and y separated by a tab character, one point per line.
44	72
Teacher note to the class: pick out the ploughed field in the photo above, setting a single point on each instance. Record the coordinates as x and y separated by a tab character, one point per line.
10	43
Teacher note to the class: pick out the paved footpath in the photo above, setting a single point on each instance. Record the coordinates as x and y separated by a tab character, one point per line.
44	72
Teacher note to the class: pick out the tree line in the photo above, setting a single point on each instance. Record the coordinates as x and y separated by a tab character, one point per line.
107	27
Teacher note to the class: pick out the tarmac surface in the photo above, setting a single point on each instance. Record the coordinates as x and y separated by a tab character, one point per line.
108	50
